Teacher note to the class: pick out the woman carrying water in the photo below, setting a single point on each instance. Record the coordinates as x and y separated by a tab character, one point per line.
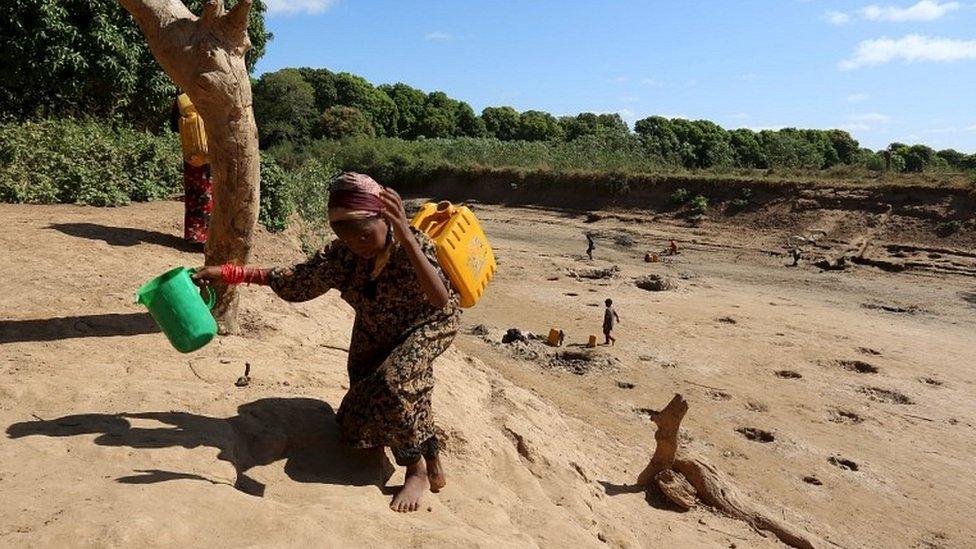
407	314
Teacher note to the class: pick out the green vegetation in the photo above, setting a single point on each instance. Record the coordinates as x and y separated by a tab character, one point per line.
680	196
698	205
294	107
85	162
88	58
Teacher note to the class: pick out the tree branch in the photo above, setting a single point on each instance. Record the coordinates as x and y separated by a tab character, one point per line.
212	11
155	14
237	19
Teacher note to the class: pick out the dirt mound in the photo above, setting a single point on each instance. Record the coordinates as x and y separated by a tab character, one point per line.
654	283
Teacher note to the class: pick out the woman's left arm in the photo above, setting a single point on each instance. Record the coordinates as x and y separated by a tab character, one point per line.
427	274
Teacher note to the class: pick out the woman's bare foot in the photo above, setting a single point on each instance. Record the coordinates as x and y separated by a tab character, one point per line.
414	485
435	474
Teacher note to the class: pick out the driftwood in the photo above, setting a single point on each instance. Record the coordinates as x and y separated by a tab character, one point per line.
684	477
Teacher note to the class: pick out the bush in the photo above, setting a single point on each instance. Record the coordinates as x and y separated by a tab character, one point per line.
276	204
680	196
304	189
309	189
698	205
738	204
949	227
85	162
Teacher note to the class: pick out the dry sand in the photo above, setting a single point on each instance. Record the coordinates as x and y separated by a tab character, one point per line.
114	439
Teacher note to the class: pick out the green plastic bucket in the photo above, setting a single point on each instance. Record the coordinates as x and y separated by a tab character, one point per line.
175	304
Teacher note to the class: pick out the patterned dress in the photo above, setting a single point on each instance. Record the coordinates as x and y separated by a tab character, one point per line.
396	336
198	202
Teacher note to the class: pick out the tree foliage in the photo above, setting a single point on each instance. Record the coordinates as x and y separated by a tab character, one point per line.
340	122
285	107
87	57
400	110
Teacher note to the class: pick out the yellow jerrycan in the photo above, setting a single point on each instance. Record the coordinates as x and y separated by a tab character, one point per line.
463	250
193	136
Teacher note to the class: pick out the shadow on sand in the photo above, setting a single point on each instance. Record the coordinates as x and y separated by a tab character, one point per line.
69	327
126	236
302	431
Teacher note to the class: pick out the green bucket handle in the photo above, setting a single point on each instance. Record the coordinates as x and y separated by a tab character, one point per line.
211	294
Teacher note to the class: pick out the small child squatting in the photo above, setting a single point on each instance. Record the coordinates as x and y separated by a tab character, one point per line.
407	314
610	319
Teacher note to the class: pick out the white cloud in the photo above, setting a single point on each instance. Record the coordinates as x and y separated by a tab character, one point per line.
738	116
298	6
749	77
629	99
950	129
438	36
913	47
869	117
925	10
650	82
863	121
857	97
621	80
837	17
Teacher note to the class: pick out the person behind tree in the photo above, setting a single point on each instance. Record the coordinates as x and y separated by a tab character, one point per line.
407	314
197	186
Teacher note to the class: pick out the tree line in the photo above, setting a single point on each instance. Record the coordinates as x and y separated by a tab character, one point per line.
298	105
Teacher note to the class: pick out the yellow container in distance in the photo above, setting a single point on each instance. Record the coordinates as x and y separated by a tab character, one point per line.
463	250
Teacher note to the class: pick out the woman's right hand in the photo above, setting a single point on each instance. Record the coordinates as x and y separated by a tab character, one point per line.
206	276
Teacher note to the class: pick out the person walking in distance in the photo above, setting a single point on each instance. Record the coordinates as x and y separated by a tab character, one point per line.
610	319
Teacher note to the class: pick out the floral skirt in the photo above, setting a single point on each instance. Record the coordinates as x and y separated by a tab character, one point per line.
198	199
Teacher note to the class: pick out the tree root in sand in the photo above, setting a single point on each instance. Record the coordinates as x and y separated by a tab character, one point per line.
685	478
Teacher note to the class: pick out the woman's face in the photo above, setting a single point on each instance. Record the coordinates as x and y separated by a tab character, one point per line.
366	238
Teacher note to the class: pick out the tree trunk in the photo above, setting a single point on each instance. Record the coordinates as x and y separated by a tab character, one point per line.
205	57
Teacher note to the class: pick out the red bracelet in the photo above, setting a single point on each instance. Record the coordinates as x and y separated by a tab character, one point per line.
238	274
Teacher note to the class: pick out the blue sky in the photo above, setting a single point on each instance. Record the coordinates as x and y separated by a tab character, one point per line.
891	70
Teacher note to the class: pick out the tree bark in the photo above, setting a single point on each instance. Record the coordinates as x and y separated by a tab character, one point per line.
205	57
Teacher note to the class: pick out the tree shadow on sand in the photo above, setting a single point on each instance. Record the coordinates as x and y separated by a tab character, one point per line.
302	431
126	236
70	327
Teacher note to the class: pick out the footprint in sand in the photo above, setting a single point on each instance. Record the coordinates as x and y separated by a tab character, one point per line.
868	351
887	396
756	435
931	381
845	417
719	395
788	374
810	479
858	366
843	463
754	406
625	385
